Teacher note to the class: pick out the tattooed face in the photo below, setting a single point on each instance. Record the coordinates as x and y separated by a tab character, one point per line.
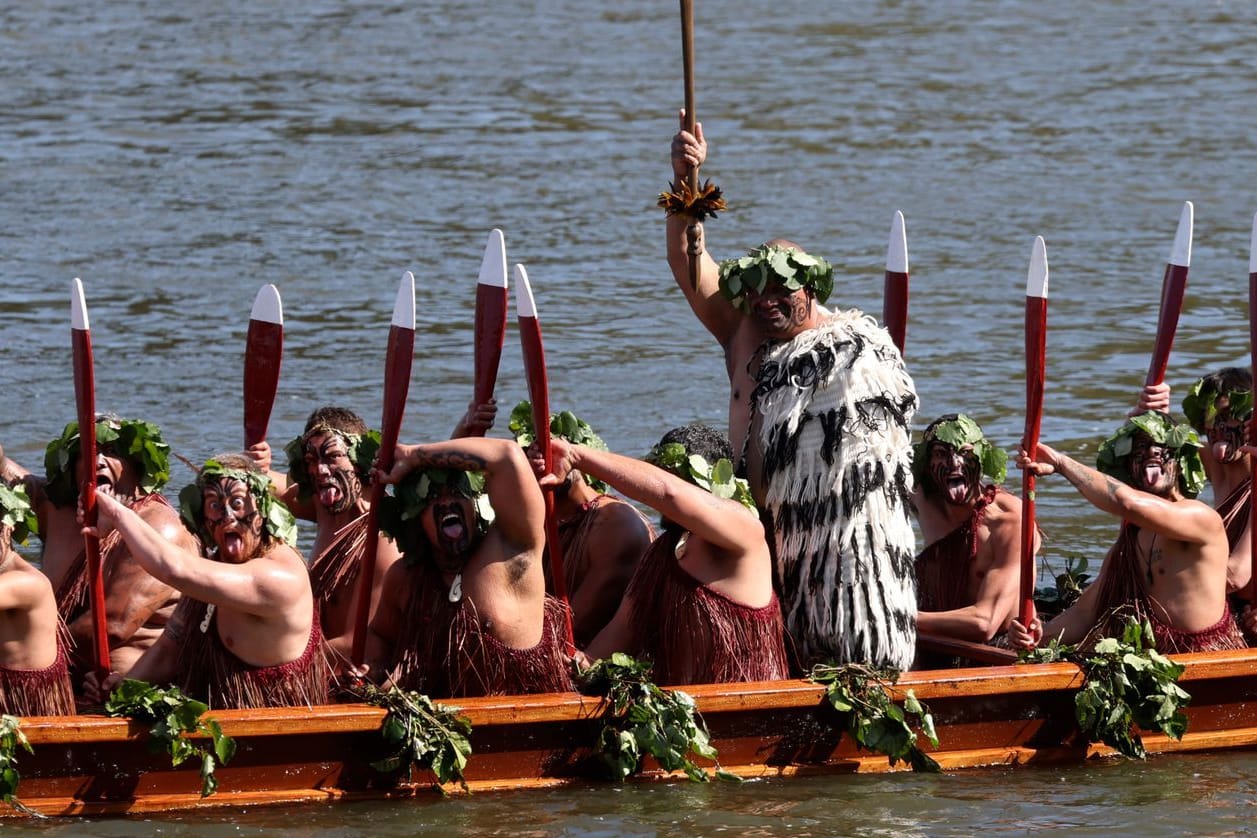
956	474
113	471
780	313
1152	466
231	516
449	523
337	486
1225	434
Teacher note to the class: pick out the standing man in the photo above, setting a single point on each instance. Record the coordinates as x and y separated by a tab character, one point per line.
132	462
819	409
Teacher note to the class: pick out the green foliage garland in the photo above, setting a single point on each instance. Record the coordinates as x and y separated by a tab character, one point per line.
693	468
1200	405
16	513
958	433
131	439
643	719
1180	439
278	523
566	424
859	692
420	732
171	715
361	449
790	267
12	738
413	494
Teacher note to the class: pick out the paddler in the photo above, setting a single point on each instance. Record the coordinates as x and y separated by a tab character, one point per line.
34	676
466	613
1169	563
701	604
132	463
968	574
246	633
819	413
601	536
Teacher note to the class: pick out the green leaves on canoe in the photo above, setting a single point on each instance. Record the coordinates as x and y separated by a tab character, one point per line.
12	738
418	732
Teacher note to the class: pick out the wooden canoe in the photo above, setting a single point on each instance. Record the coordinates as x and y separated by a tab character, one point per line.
995	715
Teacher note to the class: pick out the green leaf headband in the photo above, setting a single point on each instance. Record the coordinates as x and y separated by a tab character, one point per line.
959	432
278	524
566	425
16	512
132	439
1200	405
791	267
693	468
413	494
1179	439
361	448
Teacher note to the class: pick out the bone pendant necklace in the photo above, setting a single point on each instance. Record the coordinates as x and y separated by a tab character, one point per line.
456	589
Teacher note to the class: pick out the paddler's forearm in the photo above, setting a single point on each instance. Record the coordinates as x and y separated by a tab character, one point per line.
1103	491
162	559
634	478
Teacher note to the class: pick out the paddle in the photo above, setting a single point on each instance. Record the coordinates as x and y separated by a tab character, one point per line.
539	394
397	362
1173	284
1036	358
895	295
490	330
263	351
694	232
85	402
1252	422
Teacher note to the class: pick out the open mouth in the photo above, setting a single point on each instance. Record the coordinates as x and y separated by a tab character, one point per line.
957	488
329	494
1153	472
452	526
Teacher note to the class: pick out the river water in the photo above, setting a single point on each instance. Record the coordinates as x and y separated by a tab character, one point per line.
178	155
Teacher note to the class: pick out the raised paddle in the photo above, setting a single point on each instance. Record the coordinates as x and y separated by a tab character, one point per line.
539	393
1173	284
1036	357
1252	422
397	362
895	295
490	329
263	351
85	402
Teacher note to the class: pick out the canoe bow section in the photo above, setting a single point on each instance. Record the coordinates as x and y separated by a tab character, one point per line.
92	765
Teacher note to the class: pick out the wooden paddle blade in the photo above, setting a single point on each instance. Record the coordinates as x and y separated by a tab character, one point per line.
263	352
490	329
85	404
895	295
398	360
1173	285
1036	361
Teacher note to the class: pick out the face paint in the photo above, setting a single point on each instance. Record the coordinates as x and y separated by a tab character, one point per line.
449	522
779	312
956	474
232	519
1152	467
1225	435
336	483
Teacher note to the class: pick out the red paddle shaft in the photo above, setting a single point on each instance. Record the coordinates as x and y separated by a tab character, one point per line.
85	401
264	349
1036	352
1173	285
490	335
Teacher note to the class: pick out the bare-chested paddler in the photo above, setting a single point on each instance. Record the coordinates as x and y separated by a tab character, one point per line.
34	677
246	633
1169	563
132	462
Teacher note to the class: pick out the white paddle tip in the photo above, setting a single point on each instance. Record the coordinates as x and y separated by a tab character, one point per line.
78	306
1181	255
1037	278
897	250
524	302
404	307
493	265
1252	248
267	307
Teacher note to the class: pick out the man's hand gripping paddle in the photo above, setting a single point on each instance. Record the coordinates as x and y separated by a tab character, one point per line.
490	329
263	351
85	402
895	295
539	394
1036	360
397	362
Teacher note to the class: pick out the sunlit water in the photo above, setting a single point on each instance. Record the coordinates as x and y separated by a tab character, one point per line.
178	155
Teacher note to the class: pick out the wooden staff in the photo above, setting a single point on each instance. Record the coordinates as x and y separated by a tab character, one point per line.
539	394
694	232
895	295
1252	422
490	329
1173	284
397	363
85	402
263	351
1036	359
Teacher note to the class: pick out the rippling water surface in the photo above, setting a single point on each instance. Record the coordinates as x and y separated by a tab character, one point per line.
177	155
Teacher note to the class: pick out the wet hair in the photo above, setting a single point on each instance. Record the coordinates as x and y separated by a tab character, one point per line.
338	419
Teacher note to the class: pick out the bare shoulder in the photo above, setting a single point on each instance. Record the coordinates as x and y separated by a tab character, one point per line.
165	519
622	517
285	556
1004	508
28	586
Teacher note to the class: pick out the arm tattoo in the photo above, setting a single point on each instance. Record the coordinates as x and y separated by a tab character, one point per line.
1084	478
460	460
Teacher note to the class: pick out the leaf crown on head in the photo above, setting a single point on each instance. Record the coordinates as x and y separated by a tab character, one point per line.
16	513
1179	439
789	266
717	478
413	494
1200	405
566	425
958	430
361	449
131	439
278	524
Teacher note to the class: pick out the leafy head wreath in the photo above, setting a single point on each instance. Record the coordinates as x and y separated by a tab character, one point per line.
16	514
566	425
1179	439
789	266
958	430
361	449
1200	405
278	524
717	478
413	494
132	439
